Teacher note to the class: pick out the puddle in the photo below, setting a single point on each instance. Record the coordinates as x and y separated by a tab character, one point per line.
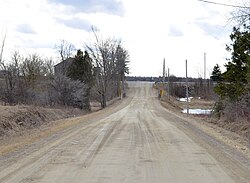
198	111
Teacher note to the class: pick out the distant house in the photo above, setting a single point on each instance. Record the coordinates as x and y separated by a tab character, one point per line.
62	67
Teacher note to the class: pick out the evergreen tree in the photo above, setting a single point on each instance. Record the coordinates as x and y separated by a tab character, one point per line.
216	74
82	69
235	76
122	60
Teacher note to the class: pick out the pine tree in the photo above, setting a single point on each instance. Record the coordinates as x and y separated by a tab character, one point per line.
82	69
216	74
235	76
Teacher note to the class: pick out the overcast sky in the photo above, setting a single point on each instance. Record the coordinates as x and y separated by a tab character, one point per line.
149	29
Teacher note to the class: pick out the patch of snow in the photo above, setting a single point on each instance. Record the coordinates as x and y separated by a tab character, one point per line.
197	111
185	99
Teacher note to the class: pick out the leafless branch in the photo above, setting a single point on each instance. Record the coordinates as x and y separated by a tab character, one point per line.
65	49
2	49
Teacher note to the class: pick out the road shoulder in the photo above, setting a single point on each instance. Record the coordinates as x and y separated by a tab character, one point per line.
233	153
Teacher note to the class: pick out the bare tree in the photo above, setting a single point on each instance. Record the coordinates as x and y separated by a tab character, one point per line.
34	75
65	51
100	51
110	61
32	69
241	16
11	78
48	67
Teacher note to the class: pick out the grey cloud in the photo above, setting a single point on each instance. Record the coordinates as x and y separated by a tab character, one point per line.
93	6
173	31
76	23
25	28
212	30
34	43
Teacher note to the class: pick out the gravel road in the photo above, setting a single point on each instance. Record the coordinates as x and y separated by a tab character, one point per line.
135	141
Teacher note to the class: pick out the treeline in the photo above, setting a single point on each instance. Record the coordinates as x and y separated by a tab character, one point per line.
96	74
26	80
172	78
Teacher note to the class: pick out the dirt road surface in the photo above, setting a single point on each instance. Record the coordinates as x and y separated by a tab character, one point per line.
135	141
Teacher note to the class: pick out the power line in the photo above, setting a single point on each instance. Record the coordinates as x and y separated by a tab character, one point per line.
222	4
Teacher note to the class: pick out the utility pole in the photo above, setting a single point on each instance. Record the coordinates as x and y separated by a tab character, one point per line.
187	89
168	86
163	77
205	67
205	70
